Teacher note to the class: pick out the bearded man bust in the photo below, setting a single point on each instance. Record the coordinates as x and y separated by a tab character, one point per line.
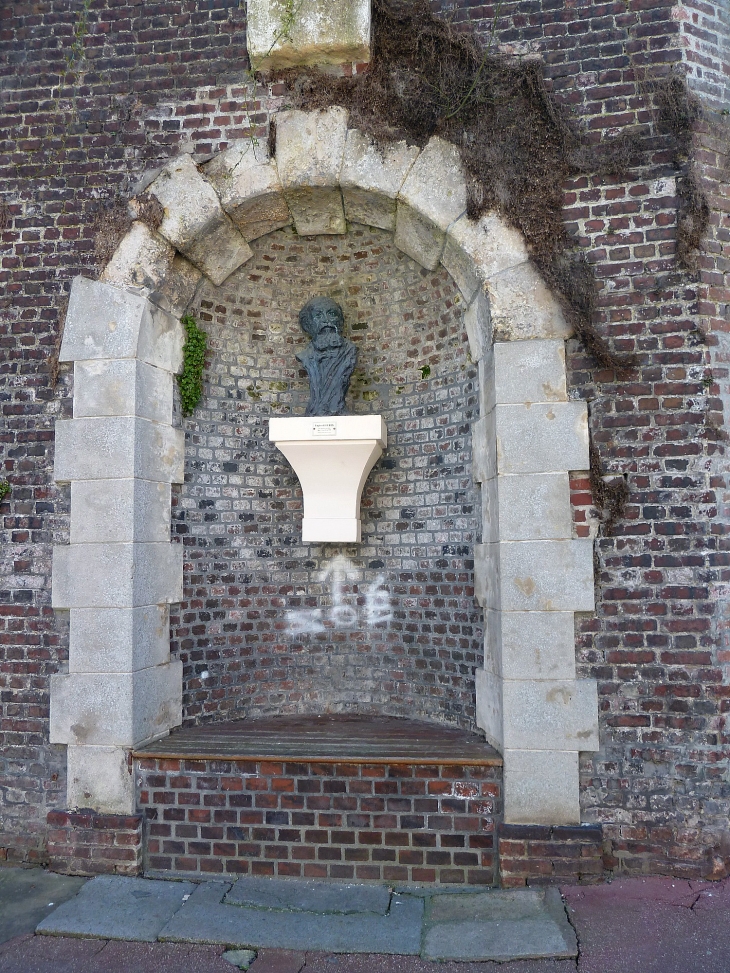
329	358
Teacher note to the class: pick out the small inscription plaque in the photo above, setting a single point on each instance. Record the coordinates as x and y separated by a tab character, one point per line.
324	430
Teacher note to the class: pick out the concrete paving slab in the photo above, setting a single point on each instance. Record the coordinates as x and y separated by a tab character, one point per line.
52	954
29	895
298	895
205	918
499	926
113	907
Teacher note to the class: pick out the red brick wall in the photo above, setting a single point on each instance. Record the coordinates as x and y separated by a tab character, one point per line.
88	843
539	855
375	822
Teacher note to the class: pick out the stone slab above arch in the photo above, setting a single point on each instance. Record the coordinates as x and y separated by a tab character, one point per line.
531	574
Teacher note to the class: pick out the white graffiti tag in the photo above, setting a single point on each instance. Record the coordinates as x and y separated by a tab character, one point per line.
344	611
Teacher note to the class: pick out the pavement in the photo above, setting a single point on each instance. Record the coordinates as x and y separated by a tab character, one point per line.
111	924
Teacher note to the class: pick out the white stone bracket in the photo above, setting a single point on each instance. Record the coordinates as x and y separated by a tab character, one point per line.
332	456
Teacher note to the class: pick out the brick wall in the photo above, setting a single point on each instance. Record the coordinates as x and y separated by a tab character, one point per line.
370	822
88	843
658	642
535	855
270	625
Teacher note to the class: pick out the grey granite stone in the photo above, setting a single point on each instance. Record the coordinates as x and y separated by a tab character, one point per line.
299	895
113	907
205	918
499	926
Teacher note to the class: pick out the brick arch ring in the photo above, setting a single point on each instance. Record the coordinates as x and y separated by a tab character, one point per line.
120	452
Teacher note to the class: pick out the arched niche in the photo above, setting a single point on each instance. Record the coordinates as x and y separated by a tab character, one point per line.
121	453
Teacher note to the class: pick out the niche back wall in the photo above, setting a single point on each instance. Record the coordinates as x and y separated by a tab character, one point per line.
269	625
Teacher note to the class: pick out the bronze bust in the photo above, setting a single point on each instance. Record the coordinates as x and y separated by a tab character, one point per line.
329	358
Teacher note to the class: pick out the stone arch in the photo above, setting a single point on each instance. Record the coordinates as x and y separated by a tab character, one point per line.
121	453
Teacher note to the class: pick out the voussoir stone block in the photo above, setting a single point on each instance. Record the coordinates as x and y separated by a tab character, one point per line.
119	639
142	260
310	147
118	447
432	197
541	787
247	183
523	306
322	32
195	222
550	715
542	438
478	324
534	506
435	187
371	178
119	709
100	778
120	511
104	321
147	264
544	575
478	249
530	371
122	387
116	575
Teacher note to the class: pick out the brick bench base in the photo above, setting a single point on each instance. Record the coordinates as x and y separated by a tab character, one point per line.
86	842
367	822
537	855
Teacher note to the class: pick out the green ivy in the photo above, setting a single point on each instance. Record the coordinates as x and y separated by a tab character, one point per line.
4	490
191	379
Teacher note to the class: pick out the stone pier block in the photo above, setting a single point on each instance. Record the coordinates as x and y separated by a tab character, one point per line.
104	321
533	645
542	438
541	787
490	707
195	222
118	447
533	506
120	511
119	639
119	709
310	147
486	575
247	183
100	778
484	448
550	715
545	575
116	575
530	371
122	387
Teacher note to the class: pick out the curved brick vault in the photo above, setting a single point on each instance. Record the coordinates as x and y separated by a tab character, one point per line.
121	452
